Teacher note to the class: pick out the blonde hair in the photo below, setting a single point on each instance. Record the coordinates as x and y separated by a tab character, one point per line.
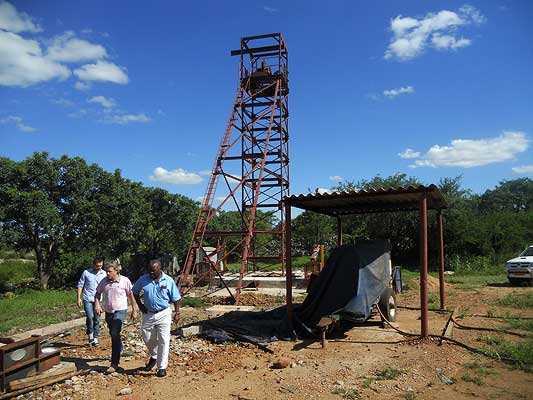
113	264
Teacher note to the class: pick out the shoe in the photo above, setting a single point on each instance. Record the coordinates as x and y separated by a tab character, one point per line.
91	339
161	372
94	343
150	364
112	368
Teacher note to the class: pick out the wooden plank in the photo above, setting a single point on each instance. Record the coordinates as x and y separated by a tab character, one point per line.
64	368
46	383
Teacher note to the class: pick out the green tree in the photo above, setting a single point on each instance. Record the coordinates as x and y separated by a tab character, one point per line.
45	203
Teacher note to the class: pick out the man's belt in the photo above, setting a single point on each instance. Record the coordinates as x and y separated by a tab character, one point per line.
158	311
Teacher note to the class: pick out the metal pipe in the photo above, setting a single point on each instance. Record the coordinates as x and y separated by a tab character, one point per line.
288	263
441	259
423	243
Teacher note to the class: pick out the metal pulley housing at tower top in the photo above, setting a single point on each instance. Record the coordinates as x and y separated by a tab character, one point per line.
252	164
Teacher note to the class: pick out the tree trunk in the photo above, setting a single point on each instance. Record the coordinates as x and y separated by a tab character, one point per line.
44	277
45	263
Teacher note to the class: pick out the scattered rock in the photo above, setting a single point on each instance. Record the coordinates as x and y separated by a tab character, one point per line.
125	391
281	363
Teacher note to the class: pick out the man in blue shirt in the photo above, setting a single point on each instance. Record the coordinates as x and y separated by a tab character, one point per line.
89	280
158	291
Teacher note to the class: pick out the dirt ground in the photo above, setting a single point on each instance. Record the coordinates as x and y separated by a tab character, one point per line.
351	367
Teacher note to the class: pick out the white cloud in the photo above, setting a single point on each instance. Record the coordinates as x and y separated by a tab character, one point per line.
392	93
124	119
205	172
472	153
101	71
323	190
175	177
523	169
17	121
336	178
22	62
82	85
104	102
14	21
67	48
409	153
25	62
443	42
410	36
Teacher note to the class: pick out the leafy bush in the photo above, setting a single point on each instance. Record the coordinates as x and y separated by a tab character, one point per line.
13	272
68	268
473	265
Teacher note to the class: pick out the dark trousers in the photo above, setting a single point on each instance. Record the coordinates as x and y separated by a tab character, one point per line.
92	320
114	322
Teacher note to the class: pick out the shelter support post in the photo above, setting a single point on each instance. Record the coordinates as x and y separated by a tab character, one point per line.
339	230
441	259
288	263
423	244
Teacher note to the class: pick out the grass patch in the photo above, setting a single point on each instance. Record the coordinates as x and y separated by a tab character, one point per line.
30	309
195	302
433	299
347	393
388	373
517	354
472	280
473	378
480	369
13	272
524	324
517	300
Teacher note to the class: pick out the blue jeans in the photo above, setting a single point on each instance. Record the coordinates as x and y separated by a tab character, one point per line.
114	322
92	320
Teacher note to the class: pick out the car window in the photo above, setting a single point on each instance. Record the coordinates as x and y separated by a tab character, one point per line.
527	252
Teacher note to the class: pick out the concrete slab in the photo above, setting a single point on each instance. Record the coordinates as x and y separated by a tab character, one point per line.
51	329
224	309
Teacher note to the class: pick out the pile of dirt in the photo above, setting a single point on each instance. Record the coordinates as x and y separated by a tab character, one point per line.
433	283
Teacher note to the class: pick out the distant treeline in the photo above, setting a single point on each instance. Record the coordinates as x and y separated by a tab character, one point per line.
66	211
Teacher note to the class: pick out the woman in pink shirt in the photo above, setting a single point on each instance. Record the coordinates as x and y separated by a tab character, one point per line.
117	291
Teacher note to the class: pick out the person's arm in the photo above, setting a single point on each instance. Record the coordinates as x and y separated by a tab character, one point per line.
133	308
175	296
141	306
137	295
99	290
177	310
81	284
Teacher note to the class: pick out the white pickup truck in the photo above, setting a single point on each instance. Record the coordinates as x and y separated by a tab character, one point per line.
520	269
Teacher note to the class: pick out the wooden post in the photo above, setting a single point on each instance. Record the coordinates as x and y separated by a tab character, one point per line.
288	263
339	231
441	260
423	243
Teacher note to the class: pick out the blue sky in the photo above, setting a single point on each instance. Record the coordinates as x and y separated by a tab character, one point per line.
431	89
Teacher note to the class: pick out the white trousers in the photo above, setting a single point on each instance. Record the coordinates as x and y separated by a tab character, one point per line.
156	335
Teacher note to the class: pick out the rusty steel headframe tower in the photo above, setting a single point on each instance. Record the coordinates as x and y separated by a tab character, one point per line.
252	163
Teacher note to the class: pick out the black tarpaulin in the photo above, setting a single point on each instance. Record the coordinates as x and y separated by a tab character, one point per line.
352	280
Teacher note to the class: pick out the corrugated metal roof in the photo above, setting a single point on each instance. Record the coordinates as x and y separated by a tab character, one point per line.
370	201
